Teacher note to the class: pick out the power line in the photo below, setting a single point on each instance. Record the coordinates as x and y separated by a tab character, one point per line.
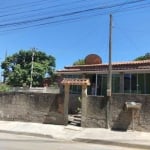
69	14
62	16
55	22
22	5
37	10
133	8
44	8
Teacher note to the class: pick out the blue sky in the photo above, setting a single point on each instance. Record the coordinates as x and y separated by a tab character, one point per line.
71	41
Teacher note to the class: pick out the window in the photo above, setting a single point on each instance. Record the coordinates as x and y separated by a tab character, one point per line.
115	83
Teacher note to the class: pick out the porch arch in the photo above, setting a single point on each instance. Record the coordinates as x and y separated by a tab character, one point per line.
82	82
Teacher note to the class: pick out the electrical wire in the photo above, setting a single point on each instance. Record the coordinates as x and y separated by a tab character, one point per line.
68	14
62	17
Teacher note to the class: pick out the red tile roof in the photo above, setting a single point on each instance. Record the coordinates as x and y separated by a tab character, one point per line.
132	65
70	81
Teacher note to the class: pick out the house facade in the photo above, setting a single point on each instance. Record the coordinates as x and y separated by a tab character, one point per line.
127	77
130	99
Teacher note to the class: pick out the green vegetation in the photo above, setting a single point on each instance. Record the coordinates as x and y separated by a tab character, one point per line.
4	88
17	68
145	57
79	62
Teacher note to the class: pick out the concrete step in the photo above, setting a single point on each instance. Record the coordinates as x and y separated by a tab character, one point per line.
76	123
75	119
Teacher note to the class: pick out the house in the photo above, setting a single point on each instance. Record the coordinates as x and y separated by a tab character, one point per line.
128	106
127	77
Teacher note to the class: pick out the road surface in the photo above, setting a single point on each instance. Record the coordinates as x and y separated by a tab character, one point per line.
23	142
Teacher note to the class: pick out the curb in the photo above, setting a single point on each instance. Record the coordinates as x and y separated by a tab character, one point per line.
113	143
27	133
84	140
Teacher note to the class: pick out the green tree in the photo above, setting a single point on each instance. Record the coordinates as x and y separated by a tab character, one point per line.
17	68
145	57
79	62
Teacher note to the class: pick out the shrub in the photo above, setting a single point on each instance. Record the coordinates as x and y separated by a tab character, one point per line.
4	88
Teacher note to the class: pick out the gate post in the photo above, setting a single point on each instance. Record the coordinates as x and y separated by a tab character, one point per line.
84	105
66	103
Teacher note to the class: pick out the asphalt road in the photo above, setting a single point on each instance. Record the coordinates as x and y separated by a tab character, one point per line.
23	142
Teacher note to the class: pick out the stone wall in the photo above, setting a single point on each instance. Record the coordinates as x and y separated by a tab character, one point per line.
32	107
120	116
96	112
36	107
49	108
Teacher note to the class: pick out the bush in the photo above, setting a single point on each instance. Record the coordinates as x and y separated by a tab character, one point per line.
4	88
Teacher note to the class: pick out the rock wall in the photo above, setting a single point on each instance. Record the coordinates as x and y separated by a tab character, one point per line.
96	112
32	107
120	116
49	108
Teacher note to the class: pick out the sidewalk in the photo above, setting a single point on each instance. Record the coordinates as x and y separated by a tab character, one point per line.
132	139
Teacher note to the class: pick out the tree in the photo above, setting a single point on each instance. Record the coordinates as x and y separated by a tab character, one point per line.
145	57
18	67
79	62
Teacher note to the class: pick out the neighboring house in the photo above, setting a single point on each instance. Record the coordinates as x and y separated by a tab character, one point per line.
127	77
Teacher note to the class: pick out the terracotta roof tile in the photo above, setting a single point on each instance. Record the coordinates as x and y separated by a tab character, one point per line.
144	64
75	81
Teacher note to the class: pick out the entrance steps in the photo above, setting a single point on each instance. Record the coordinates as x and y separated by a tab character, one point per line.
74	119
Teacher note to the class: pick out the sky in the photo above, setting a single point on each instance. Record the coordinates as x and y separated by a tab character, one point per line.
72	40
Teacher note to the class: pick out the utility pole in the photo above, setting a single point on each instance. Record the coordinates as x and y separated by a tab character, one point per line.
31	78
109	84
4	78
0	71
